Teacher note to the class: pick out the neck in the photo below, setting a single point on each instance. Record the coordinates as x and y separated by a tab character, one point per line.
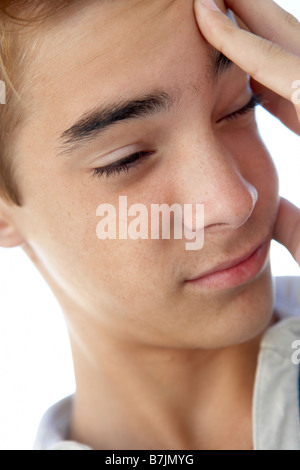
132	396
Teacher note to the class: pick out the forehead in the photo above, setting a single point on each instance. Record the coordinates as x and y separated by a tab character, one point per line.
109	46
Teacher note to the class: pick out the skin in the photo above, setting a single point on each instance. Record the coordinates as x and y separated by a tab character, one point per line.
159	365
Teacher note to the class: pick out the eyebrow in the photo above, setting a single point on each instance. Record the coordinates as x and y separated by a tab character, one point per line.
93	123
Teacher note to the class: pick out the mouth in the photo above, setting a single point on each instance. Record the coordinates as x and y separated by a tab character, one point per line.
235	272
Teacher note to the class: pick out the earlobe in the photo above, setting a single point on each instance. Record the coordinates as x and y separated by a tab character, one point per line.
9	235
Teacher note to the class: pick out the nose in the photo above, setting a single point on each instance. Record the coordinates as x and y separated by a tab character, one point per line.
215	180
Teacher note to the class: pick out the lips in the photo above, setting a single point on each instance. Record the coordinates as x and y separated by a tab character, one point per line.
234	272
228	264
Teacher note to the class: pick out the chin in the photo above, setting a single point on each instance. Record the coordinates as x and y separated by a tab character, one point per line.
233	317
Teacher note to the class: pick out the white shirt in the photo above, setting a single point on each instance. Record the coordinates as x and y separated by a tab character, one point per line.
276	402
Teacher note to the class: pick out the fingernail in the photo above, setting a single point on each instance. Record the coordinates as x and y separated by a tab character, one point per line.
210	4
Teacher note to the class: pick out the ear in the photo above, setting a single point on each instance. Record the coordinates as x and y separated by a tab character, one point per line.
9	235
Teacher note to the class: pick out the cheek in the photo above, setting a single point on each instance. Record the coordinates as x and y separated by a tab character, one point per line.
93	270
60	223
263	175
264	172
255	164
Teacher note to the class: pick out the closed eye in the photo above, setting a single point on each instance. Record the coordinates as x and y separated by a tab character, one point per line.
255	100
122	165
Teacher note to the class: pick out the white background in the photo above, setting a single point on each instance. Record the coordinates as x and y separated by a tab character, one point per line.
35	358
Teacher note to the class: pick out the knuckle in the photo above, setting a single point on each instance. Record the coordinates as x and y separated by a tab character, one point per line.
270	49
267	51
290	21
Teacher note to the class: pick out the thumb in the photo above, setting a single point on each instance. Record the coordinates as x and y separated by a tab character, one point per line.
287	228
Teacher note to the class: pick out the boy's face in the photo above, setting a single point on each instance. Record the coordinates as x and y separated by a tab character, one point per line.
108	52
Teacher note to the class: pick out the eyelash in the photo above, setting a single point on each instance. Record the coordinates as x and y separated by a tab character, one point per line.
255	100
138	158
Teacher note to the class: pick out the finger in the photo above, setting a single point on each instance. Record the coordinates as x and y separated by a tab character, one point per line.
268	63
287	228
267	19
282	109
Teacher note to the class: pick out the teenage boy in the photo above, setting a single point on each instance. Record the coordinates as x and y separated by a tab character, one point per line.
173	349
